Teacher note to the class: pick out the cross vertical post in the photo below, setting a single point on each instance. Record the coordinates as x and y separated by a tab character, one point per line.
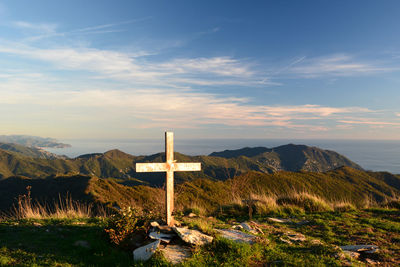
169	183
169	166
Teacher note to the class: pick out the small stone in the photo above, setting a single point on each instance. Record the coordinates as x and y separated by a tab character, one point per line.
248	228
352	254
82	243
192	215
278	220
37	224
285	241
176	254
371	262
237	227
154	224
144	253
296	237
193	237
237	236
316	242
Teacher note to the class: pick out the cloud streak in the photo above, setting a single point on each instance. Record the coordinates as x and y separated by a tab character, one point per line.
334	65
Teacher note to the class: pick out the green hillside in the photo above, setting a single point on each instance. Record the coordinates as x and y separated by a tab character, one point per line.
23	161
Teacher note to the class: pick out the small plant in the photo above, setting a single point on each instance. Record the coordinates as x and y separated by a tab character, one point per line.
127	228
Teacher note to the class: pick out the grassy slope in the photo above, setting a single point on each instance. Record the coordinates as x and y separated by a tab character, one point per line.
344	184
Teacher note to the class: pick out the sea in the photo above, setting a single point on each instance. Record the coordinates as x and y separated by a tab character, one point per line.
375	155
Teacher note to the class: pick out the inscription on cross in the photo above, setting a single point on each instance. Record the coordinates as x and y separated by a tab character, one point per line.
169	166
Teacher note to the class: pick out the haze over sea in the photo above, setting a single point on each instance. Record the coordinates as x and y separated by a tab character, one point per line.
376	155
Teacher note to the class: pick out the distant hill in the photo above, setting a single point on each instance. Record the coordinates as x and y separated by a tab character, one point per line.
32	141
342	184
217	166
29	151
292	158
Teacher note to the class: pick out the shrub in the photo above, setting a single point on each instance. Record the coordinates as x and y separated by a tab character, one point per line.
127	228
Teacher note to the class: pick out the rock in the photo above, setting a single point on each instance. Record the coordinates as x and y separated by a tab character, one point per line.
285	241
237	236
144	253
175	253
316	242
37	224
296	237
352	254
361	248
82	243
161	236
278	220
192	215
154	224
371	262
248	228
237	227
193	237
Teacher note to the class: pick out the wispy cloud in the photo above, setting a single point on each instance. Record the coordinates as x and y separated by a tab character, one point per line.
44	28
334	65
370	122
128	66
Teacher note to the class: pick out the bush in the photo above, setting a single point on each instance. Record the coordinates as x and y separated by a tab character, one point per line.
127	229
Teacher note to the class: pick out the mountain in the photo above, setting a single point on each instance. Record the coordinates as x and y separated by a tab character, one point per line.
291	158
29	151
217	166
32	141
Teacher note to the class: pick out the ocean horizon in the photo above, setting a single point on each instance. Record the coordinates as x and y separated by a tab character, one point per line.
375	155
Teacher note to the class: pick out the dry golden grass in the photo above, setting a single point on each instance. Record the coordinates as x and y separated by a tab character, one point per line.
64	208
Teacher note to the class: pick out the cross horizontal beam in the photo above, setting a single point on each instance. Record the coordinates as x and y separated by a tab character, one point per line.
165	167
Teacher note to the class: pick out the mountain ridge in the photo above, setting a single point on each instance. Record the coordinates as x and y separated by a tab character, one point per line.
216	166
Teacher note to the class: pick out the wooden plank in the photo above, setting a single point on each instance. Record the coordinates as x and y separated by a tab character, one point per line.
186	166
169	147
151	167
169	197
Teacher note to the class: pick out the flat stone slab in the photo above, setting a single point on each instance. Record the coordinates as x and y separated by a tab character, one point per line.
360	248
161	236
193	237
237	236
176	254
144	253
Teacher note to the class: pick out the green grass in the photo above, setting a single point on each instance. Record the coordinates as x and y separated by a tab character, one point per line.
52	243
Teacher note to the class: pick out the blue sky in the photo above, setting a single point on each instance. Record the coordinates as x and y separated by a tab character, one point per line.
204	69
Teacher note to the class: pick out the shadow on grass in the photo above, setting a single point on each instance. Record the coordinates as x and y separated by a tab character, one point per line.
38	243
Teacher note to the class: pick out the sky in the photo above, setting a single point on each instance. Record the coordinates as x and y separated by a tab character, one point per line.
203	69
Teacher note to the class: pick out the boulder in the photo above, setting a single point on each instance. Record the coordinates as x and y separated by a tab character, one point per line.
193	237
144	253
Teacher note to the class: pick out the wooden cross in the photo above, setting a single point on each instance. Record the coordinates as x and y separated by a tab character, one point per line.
170	166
